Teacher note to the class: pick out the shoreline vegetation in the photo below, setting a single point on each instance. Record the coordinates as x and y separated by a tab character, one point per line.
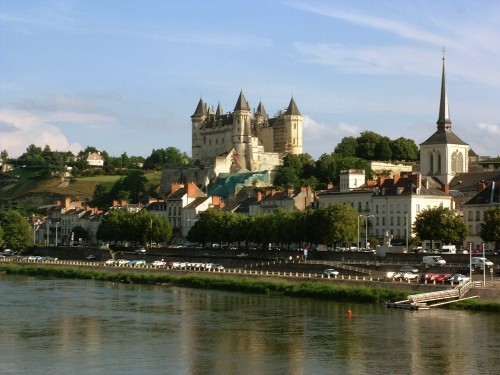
296	289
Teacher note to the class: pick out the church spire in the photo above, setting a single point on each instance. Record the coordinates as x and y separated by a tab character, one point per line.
443	122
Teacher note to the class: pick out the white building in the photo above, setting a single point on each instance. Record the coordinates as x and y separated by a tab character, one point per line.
389	205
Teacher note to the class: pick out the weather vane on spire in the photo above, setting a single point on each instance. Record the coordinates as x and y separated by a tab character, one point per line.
444	52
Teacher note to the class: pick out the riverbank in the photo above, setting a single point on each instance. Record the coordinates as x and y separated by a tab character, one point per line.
363	292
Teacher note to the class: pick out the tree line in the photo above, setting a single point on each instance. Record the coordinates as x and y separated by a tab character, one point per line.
336	225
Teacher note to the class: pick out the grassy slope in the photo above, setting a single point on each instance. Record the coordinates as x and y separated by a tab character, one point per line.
29	182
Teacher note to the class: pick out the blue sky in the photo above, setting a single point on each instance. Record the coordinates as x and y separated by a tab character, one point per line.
125	76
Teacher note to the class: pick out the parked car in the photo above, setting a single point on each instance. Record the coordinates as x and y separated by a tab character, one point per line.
123	262
442	278
242	255
465	271
331	272
214	266
408	269
142	250
159	263
458	278
139	263
110	262
91	257
407	276
481	262
428	277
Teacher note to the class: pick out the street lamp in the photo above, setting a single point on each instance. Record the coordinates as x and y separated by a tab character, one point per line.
47	224
57	223
366	227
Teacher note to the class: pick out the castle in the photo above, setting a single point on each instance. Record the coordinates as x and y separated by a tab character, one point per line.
242	141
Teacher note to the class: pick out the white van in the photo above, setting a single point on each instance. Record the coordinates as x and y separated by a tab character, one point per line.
433	260
480	262
448	249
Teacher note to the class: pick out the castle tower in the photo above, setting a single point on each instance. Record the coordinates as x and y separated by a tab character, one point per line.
261	119
293	129
197	120
242	131
443	154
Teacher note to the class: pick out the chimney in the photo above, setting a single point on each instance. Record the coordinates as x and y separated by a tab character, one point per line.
396	178
67	202
192	190
259	196
329	186
175	186
446	188
480	186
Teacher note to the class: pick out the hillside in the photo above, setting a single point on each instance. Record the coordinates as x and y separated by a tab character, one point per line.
25	186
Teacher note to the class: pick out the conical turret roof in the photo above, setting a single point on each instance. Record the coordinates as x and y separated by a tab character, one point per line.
293	110
260	109
200	109
241	104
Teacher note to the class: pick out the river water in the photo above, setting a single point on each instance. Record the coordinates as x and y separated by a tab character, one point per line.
53	326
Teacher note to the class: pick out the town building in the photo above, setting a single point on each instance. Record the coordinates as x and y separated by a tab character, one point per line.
387	205
95	159
488	196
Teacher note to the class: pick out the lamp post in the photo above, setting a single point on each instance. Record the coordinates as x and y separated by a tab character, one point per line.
57	223
47	223
484	268
357	243
407	230
366	227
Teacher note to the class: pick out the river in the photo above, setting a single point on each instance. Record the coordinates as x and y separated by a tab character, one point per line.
61	326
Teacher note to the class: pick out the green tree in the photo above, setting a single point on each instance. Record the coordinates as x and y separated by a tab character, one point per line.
367	143
80	233
134	183
329	167
440	224
100	198
17	233
170	156
490	229
296	171
383	150
336	224
33	157
347	147
404	149
115	226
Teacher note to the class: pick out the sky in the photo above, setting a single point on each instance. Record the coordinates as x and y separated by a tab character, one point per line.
126	75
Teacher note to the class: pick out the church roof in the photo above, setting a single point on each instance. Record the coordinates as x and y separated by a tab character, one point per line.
443	137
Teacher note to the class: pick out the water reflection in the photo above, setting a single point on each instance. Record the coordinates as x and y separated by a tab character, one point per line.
88	327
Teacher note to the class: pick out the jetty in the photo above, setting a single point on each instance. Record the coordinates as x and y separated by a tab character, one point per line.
425	301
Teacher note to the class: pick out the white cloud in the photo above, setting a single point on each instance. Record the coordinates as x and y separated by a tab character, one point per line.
320	138
20	129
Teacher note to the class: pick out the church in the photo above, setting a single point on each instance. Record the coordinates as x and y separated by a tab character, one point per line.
444	155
